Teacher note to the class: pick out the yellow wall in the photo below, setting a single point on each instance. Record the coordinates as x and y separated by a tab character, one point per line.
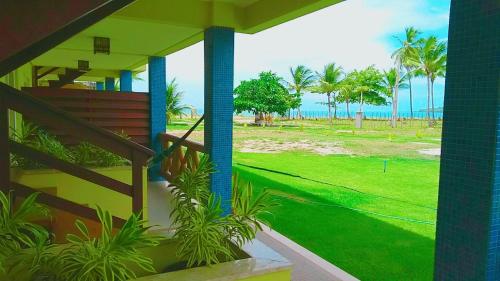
84	192
284	275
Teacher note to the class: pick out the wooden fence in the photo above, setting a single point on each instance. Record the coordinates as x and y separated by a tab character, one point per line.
120	112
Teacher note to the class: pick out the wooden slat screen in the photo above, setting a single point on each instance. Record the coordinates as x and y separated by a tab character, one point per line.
115	111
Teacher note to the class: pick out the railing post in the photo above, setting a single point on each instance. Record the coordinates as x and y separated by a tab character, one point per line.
4	146
137	184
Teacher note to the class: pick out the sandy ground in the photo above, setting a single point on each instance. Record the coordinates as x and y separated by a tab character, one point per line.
431	151
270	146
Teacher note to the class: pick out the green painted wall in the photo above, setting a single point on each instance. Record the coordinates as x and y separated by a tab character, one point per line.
84	192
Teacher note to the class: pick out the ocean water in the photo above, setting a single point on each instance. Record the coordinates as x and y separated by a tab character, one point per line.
323	114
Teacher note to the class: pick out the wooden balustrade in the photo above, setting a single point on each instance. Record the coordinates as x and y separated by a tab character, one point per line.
82	130
185	155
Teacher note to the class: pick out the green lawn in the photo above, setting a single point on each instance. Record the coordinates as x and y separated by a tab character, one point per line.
373	224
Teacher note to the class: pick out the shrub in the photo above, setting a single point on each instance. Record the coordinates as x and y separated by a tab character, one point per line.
204	232
83	154
106	258
26	252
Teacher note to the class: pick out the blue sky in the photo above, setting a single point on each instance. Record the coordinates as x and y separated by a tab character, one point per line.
354	34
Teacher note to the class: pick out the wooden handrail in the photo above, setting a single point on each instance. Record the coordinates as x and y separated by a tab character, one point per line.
49	115
187	143
186	155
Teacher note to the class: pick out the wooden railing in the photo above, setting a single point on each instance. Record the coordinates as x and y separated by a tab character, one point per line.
48	115
185	155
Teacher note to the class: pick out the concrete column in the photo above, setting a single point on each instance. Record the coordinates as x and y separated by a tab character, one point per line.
125	81
99	86
468	225
219	76
109	84
158	107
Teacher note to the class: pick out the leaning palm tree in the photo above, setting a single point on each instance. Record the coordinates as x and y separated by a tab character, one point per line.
432	60
302	79
174	101
329	83
408	55
391	85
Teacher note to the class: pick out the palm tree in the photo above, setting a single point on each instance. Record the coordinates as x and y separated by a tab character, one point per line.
302	79
346	91
432	60
174	99
329	83
408	54
391	85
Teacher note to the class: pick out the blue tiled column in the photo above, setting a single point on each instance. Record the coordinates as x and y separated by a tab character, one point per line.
158	106
468	227
109	83
99	86
219	73
125	81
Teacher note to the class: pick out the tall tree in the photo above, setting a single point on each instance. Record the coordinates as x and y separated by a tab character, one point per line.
407	53
432	60
175	107
368	87
329	83
302	79
392	83
262	97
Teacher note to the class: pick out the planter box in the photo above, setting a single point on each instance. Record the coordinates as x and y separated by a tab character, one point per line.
83	192
256	263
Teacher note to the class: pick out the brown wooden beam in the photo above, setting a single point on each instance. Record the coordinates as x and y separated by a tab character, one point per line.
4	146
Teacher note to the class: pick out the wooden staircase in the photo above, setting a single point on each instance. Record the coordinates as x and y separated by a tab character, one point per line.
68	77
48	115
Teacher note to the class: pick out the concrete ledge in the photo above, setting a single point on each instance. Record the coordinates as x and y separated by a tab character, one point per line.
300	256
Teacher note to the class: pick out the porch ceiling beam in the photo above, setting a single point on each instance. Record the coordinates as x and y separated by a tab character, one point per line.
251	18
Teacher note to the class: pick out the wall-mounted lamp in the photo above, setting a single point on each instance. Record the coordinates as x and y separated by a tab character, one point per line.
101	45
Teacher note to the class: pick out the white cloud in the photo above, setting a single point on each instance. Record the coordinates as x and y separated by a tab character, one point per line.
353	34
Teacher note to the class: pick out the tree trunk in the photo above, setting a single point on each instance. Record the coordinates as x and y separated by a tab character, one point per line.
299	114
347	107
259	118
411	98
329	109
432	101
361	104
395	92
334	106
428	100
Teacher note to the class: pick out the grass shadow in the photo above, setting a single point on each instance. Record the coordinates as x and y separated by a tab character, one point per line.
362	245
